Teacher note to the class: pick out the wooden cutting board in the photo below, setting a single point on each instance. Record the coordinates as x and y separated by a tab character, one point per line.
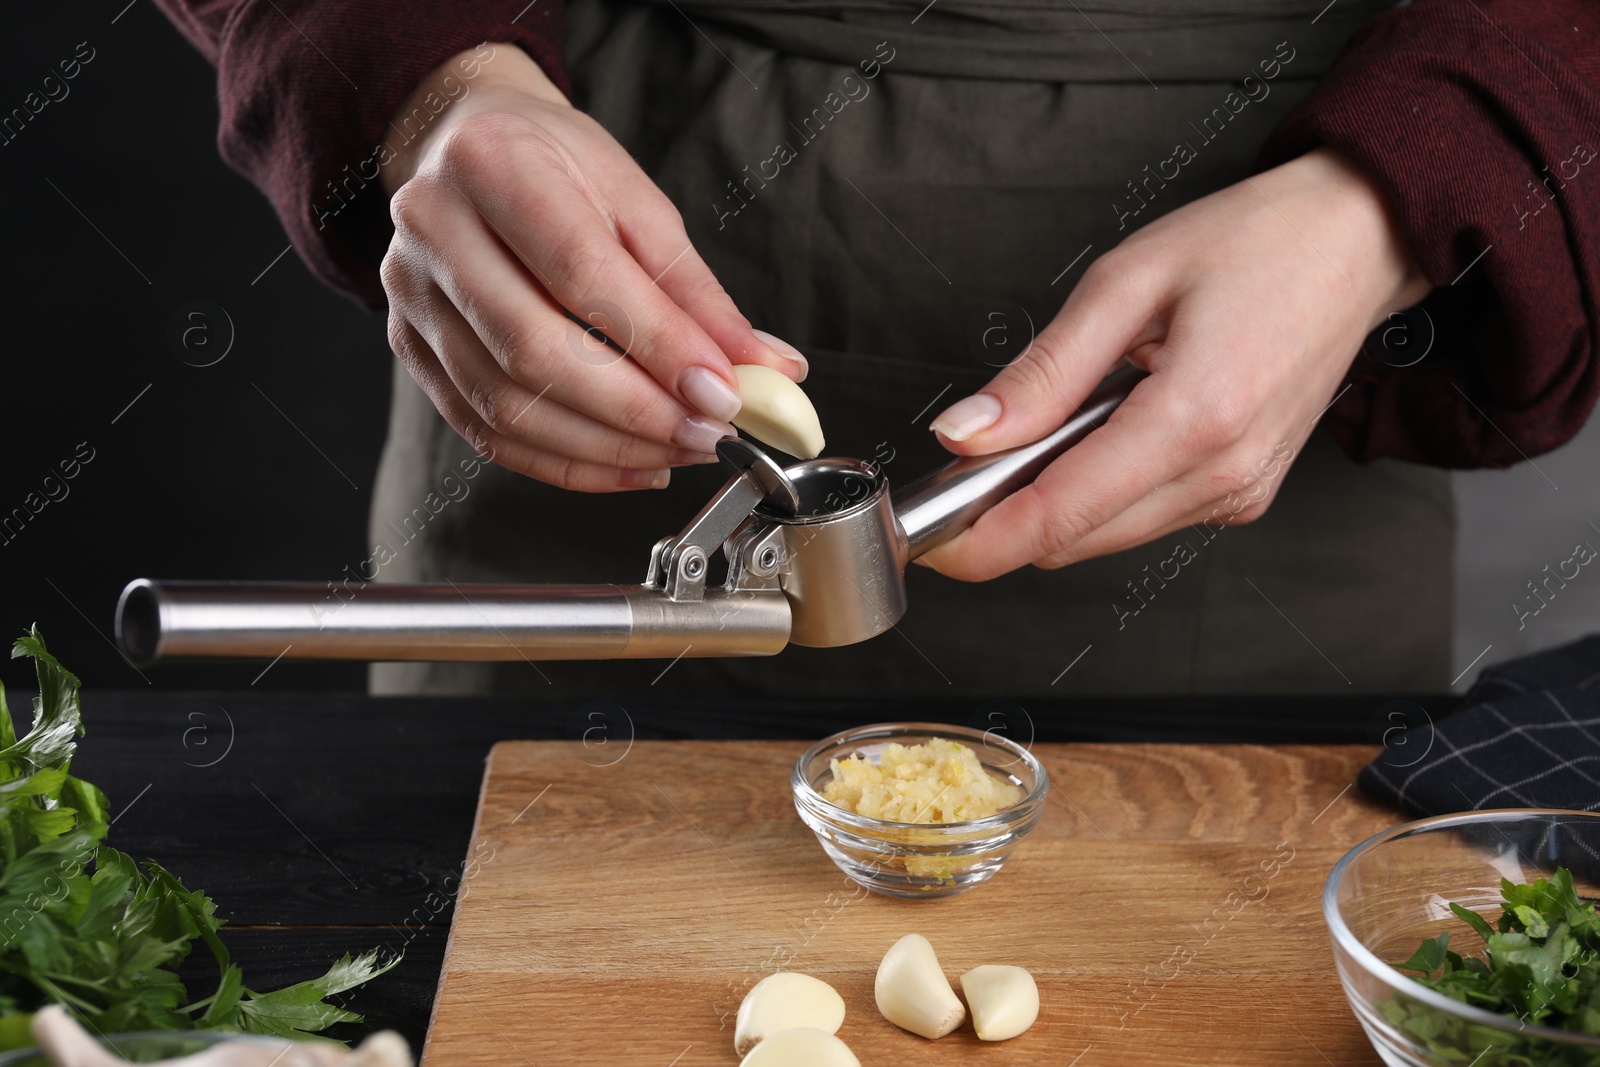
615	909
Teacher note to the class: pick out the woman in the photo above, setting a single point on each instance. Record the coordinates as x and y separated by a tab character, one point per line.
905	192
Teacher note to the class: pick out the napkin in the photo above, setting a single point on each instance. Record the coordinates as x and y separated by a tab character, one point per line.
1527	735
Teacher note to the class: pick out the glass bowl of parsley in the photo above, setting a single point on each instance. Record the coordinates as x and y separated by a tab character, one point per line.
1473	940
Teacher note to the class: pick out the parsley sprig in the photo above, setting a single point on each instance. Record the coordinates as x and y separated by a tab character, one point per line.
83	925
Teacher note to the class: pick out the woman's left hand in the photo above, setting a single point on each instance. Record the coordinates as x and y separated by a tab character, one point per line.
1246	307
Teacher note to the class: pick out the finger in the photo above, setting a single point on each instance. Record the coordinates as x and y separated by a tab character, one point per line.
1173	508
1190	504
525	190
652	230
560	471
1110	312
534	418
534	342
1131	457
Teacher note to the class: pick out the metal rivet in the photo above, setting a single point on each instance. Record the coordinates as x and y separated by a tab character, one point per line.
769	557
694	566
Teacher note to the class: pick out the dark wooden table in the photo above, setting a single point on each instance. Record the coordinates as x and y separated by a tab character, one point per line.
326	824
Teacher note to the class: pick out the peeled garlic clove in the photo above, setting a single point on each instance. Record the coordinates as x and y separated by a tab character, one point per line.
777	412
801	1047
912	991
784	1001
1004	1000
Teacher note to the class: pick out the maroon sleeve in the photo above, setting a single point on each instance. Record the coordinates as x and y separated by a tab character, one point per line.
1481	121
307	91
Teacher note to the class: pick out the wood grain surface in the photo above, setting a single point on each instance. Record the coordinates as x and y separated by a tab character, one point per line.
617	905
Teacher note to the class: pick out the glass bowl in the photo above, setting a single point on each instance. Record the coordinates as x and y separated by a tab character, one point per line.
1395	889
918	861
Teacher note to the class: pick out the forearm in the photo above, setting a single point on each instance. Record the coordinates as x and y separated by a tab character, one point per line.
1474	121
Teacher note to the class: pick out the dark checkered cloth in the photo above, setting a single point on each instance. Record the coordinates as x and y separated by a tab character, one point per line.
1527	735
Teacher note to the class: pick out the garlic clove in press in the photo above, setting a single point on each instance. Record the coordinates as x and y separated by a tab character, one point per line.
777	412
784	1001
1004	1000
912	991
801	1047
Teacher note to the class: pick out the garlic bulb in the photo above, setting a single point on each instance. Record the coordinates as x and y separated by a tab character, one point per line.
785	1001
67	1044
801	1047
1004	1000
777	412
912	991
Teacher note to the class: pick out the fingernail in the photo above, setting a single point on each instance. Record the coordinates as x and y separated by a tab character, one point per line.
706	390
786	350
700	433
967	416
656	479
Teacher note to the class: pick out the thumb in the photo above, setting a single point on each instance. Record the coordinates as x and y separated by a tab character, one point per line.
1039	390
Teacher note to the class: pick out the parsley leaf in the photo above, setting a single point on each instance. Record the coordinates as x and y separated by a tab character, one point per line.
298	1010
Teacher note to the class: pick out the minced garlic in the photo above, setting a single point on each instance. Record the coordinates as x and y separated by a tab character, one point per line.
936	782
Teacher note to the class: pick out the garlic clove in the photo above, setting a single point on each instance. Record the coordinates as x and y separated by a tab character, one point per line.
1004	1000
912	991
784	1001
801	1047
382	1049
777	412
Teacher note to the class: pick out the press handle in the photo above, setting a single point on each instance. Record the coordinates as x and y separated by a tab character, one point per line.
941	504
444	621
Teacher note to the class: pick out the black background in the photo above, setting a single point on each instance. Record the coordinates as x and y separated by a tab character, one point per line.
202	477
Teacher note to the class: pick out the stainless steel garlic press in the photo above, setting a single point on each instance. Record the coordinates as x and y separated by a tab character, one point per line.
816	555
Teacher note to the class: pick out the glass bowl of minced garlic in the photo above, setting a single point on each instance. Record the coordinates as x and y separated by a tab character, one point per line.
919	810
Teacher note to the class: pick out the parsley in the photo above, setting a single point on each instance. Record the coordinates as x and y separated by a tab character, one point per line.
84	926
1540	965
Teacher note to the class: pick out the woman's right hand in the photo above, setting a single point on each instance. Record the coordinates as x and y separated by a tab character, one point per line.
511	209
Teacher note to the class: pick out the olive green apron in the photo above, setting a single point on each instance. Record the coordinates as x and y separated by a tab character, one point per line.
907	191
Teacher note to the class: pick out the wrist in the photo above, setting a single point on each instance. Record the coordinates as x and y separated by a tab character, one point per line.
459	86
1378	258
